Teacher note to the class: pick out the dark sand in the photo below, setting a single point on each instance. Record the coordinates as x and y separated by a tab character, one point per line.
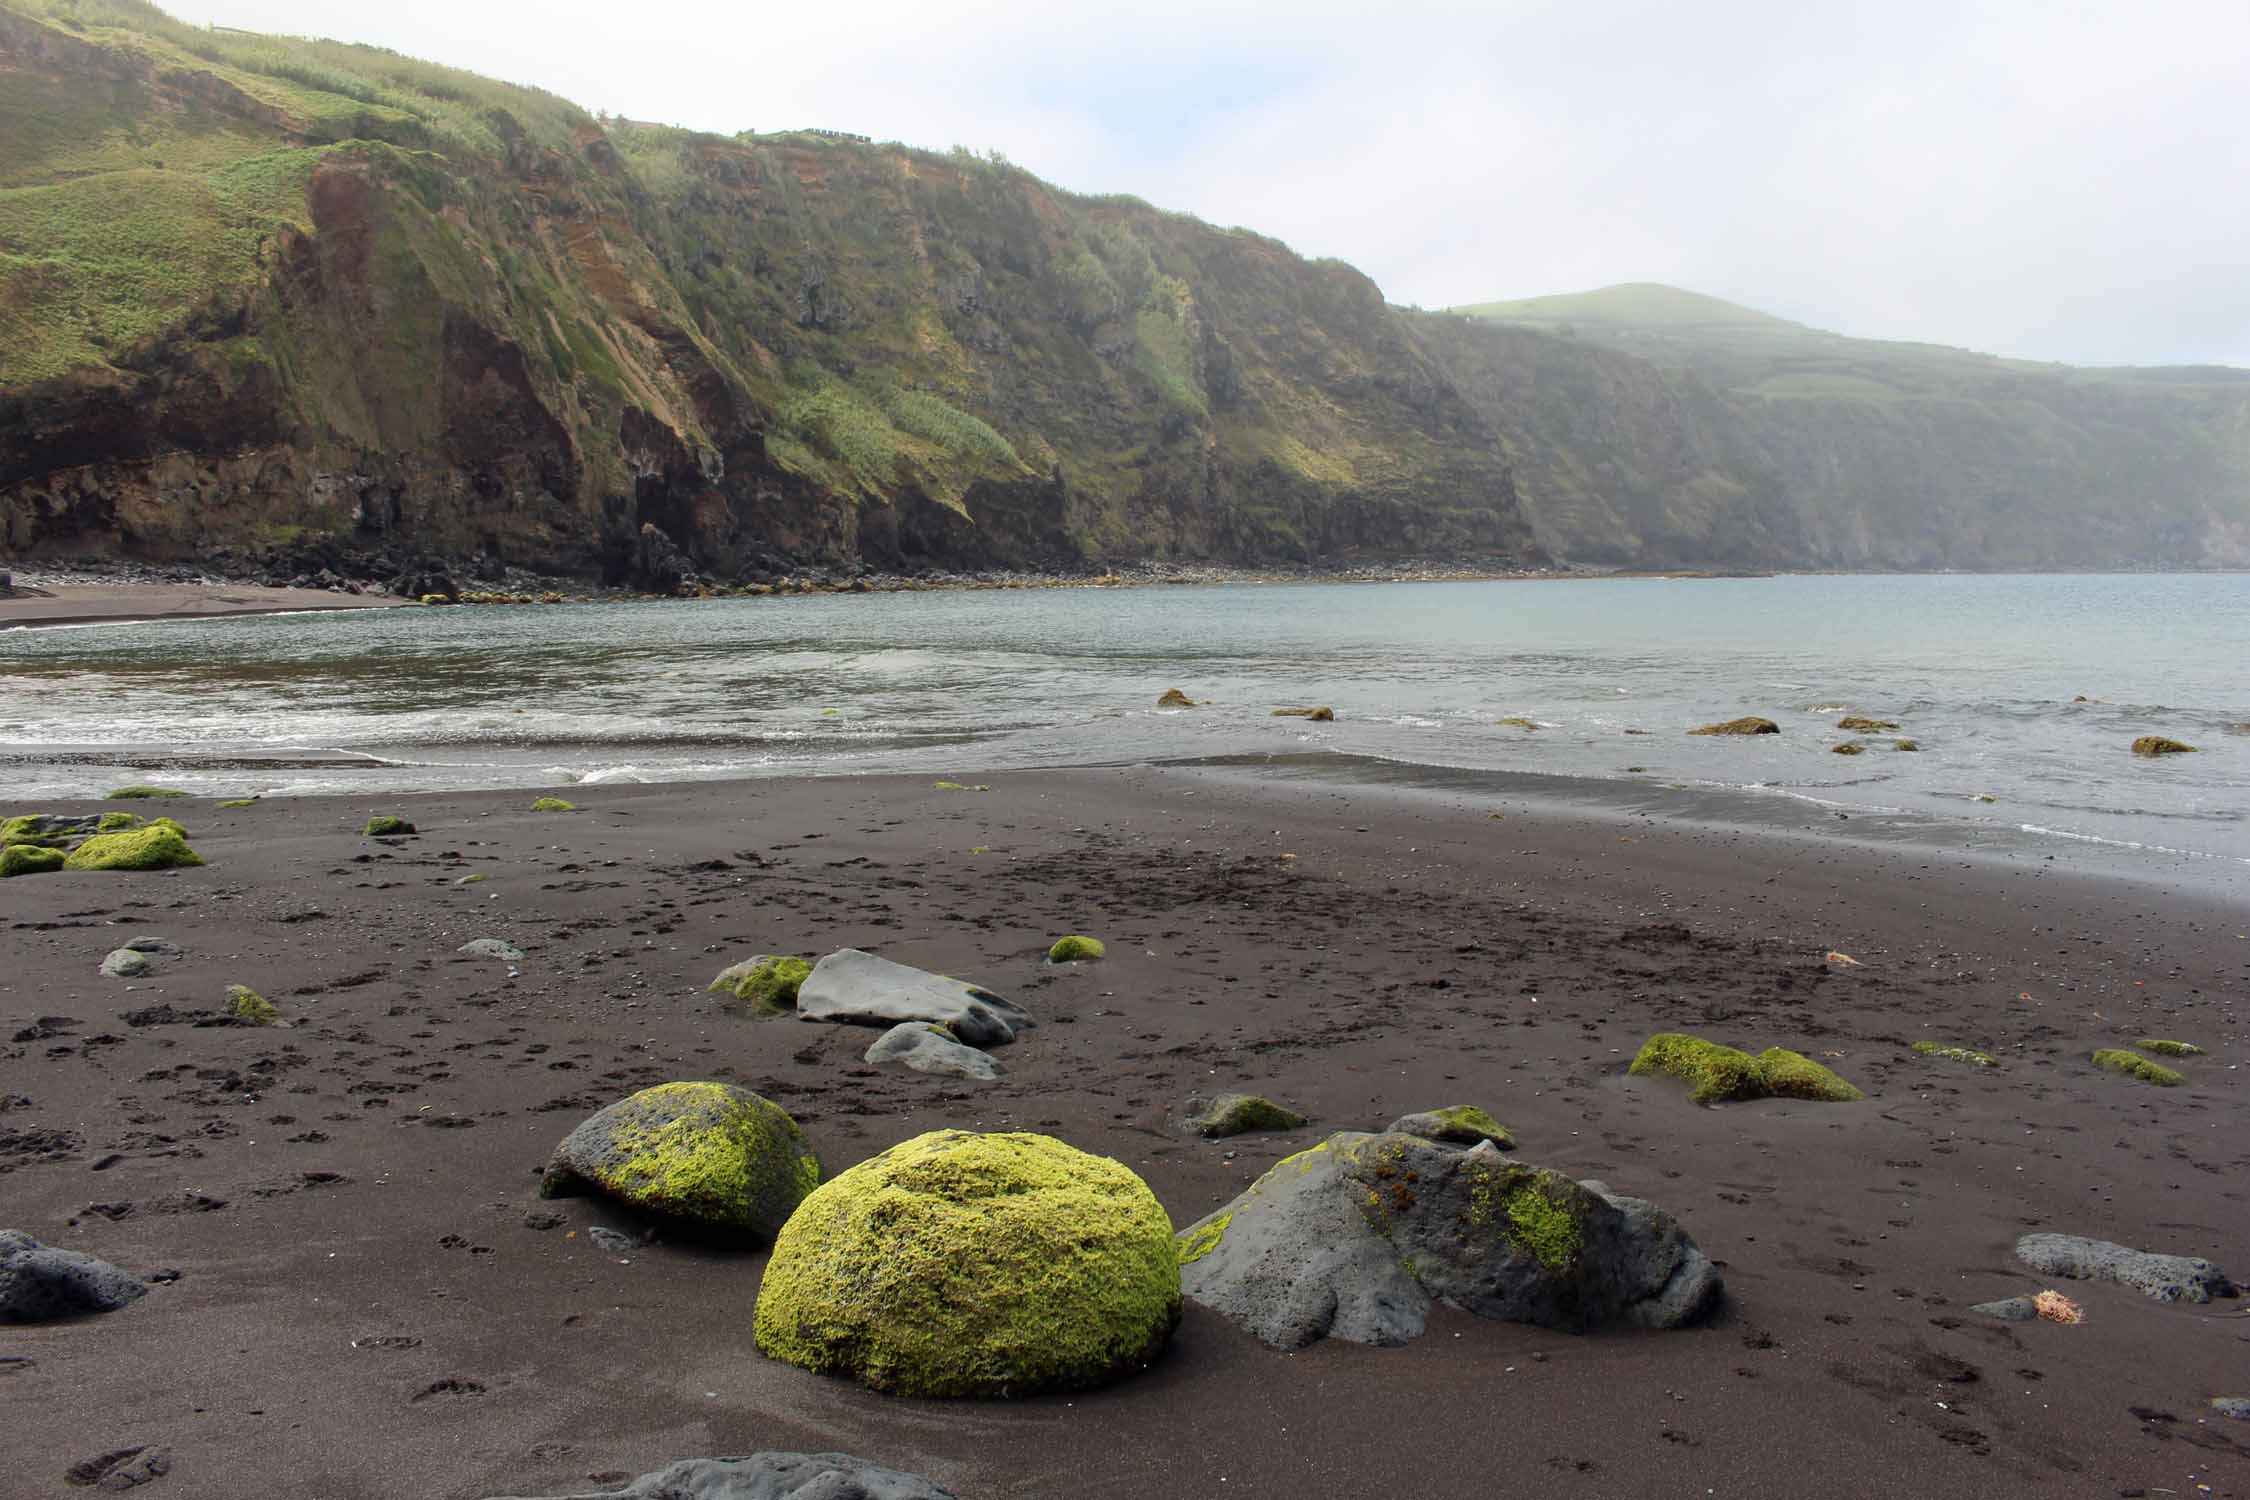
113	603
1414	953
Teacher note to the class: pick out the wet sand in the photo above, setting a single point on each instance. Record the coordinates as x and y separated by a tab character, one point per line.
364	1306
114	603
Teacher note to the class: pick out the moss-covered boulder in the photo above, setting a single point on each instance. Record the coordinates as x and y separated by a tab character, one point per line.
1455	1124
46	831
2157	744
2133	1065
386	826
29	859
1909	746
144	793
1174	698
553	805
768	982
1848	747
958	1264
1357	1237
2165	1047
250	1008
1750	725
162	845
710	1159
1076	950
1238	1114
1861	724
1715	1073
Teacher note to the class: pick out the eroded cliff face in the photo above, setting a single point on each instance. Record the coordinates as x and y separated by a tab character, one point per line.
315	300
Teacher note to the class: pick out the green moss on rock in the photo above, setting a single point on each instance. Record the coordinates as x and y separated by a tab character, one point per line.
1860	724
553	804
709	1157
29	859
1204	1238
1316	715
2157	744
1907	745
247	1005
1074	949
32	829
1714	1073
1174	698
1456	1124
1749	725
240	802
1542	1226
2163	1047
116	822
162	845
1849	747
768	982
144	793
2133	1065
1969	1055
958	1264
387	827
1238	1114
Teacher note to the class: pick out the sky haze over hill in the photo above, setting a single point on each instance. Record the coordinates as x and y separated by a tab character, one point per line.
2056	181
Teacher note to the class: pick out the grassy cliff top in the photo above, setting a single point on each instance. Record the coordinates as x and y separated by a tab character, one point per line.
1646	304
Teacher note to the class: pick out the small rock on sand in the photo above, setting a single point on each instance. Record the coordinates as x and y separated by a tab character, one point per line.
2167	1278
770	1476
493	948
930	1049
124	963
2010	1310
39	1284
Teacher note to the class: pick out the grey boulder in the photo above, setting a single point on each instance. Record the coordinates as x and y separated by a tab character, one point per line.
929	1049
493	948
2167	1278
769	1476
860	989
128	963
2009	1310
1358	1236
39	1284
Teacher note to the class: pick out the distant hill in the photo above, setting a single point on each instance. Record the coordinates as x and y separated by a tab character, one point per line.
269	302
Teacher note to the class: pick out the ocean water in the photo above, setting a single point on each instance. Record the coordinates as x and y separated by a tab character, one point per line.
2022	689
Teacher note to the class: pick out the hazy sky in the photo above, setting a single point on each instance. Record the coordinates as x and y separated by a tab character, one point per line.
2044	178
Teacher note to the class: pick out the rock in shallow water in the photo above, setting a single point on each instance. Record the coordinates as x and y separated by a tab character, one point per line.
1356	1238
2167	1278
862	990
39	1283
770	1476
928	1049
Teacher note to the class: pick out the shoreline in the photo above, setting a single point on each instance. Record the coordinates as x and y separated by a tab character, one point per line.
52	607
1352	952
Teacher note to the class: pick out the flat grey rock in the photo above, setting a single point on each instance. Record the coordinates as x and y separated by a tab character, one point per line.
925	1049
2167	1278
769	1476
127	963
2009	1310
39	1284
1355	1238
492	948
860	989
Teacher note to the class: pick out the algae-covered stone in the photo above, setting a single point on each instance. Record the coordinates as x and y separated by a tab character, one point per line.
159	846
771	1476
2157	744
387	827
1072	950
251	1008
1357	1237
931	1049
860	989
769	982
1849	747
239	802
46	830
2164	1047
1459	1124
116	822
127	963
1715	1073
1516	723
1238	1114
1174	698
39	1284
1750	725
1316	715
29	859
2166	1278
1861	724
144	793
1906	745
958	1264
1969	1055
553	804
2133	1065
709	1157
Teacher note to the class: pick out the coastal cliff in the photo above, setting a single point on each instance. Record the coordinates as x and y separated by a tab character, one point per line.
267	303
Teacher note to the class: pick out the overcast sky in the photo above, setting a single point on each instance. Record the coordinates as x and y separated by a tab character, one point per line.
2044	178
